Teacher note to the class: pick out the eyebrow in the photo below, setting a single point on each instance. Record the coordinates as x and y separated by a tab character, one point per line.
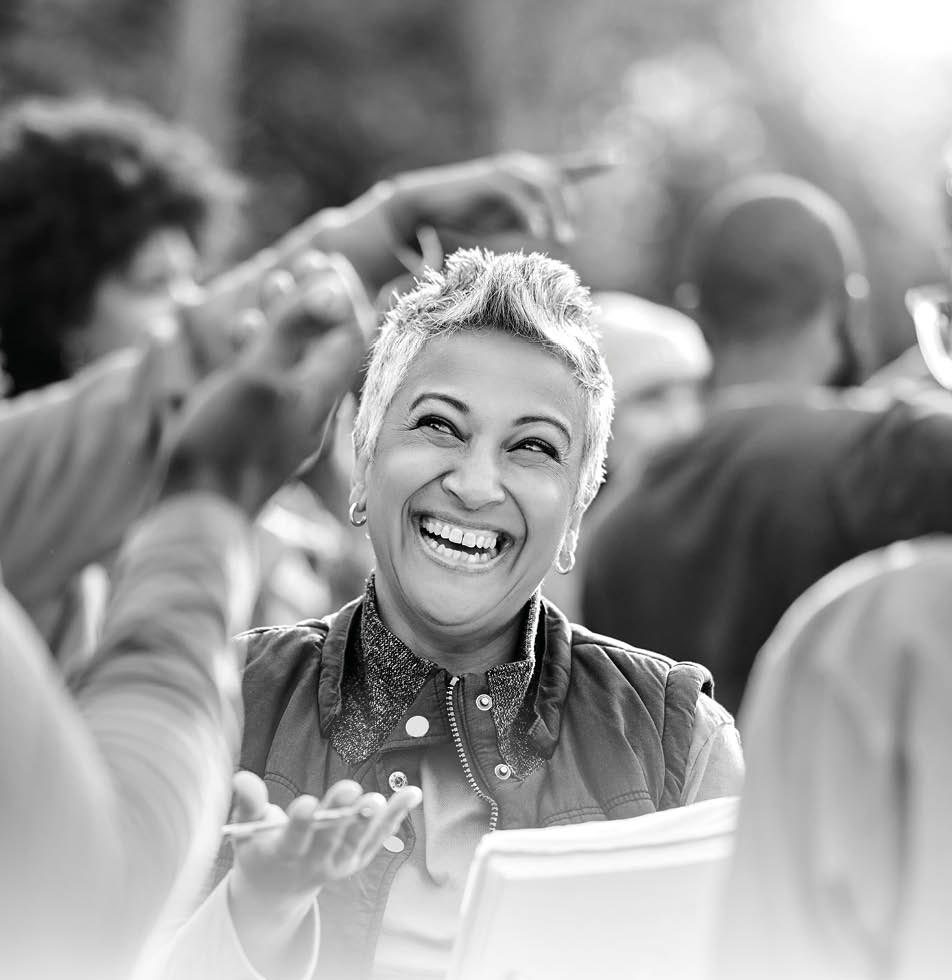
463	408
455	402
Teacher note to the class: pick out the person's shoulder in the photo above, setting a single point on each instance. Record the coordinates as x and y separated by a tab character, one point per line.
612	663
593	648
277	650
281	641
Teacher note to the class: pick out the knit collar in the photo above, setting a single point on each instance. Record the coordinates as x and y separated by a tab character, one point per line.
383	677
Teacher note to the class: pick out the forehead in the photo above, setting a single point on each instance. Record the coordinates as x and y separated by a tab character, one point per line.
495	372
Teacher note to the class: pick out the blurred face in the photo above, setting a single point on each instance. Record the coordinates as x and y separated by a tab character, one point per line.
472	485
648	418
139	297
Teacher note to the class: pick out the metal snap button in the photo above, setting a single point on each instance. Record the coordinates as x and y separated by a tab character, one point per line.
502	771
417	726
398	780
393	844
484	702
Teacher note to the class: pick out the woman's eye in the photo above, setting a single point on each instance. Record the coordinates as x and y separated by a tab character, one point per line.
539	446
436	423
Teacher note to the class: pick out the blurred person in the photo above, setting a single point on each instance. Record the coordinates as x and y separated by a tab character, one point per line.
659	364
108	212
480	441
773	272
841	864
107	208
136	764
788	478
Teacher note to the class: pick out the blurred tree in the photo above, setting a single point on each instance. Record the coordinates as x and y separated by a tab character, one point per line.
315	99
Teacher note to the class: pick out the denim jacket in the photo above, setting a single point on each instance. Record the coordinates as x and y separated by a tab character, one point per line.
605	735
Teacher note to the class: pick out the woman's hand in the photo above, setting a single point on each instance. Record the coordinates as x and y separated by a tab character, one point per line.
249	428
277	874
521	192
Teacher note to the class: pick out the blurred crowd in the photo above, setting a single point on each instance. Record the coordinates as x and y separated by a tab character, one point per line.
499	551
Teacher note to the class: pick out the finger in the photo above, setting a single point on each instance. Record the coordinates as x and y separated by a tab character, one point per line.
275	286
300	826
581	164
361	304
529	211
309	263
327	840
350	849
386	822
321	302
546	185
248	324
342	793
250	797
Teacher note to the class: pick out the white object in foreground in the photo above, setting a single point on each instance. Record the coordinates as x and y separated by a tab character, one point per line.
612	899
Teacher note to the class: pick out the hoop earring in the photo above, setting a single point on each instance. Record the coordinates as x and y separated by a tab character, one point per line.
563	568
566	566
355	508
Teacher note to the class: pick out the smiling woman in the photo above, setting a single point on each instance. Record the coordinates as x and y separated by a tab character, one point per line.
480	441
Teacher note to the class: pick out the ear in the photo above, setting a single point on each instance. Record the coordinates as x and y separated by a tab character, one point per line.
571	532
358	480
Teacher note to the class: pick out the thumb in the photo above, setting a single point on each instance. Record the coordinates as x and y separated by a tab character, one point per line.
250	801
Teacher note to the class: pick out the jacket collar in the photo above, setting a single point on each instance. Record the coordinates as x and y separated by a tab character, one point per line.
369	678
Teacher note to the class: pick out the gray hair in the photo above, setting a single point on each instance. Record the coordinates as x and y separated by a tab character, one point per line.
534	297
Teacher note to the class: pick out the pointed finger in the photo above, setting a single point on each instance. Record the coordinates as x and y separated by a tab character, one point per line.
580	164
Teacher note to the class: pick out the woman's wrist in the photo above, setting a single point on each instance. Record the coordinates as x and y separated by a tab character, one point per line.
278	934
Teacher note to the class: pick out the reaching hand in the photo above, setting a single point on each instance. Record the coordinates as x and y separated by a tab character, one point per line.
247	429
510	192
278	873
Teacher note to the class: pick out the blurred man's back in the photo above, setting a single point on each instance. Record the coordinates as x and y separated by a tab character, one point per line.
729	527
788	477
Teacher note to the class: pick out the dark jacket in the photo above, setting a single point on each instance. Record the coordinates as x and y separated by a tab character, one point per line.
607	732
728	527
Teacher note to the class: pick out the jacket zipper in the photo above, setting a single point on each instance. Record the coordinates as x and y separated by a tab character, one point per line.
464	762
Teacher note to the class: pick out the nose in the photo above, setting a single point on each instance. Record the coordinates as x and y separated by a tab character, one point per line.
475	480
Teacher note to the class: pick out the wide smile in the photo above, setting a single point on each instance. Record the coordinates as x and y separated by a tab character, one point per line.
459	546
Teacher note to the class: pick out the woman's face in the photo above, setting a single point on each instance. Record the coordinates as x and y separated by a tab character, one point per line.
472	485
140	297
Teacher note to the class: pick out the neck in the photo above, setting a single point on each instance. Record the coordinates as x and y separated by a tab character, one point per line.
459	650
741	366
801	357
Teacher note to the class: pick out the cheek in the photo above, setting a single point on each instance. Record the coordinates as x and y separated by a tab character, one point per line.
392	483
546	500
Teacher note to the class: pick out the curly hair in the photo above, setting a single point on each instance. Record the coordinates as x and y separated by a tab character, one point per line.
83	182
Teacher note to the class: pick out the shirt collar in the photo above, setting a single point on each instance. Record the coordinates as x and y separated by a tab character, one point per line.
383	677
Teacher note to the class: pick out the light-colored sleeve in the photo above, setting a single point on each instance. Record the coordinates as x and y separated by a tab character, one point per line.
78	461
208	948
112	800
715	765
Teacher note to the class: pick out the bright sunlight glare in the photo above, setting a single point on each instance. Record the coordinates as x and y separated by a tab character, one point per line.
896	30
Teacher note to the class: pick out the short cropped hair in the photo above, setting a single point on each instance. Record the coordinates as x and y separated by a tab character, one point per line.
530	296
83	182
765	254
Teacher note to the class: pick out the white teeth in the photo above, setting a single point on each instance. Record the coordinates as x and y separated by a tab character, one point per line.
451	536
456	535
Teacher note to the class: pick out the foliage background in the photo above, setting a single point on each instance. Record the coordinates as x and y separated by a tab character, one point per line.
315	99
